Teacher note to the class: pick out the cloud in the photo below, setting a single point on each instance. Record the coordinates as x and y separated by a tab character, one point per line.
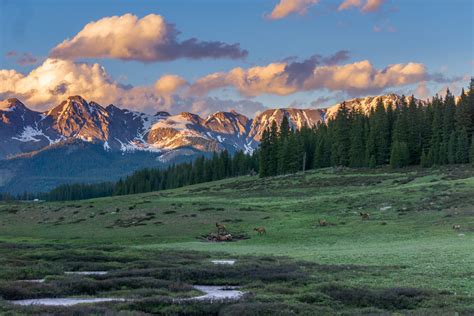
372	5
56	79
422	91
22	59
347	4
208	105
169	84
320	102
364	6
148	39
300	71
287	7
315	73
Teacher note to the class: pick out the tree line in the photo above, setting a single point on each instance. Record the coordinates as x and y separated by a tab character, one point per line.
218	166
436	132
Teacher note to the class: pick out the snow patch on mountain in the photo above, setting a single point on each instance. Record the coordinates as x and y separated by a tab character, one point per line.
28	135
133	146
31	134
248	148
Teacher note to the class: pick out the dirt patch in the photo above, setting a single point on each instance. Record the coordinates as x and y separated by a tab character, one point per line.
215	237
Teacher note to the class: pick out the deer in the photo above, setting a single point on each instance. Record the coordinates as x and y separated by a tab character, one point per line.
364	215
260	230
456	227
322	222
221	228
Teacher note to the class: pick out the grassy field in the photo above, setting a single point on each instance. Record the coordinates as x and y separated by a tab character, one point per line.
406	258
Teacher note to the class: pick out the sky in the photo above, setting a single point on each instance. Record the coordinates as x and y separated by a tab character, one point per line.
204	56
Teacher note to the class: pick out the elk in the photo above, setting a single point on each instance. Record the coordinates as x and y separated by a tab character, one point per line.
364	215
221	228
456	227
260	230
322	222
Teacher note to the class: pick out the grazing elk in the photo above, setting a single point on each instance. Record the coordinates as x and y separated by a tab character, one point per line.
260	230
364	215
221	228
322	222
456	227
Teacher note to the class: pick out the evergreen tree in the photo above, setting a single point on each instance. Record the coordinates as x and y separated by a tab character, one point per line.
452	148
462	148
342	140
274	150
357	147
471	151
296	152
425	160
437	131
285	129
381	131
264	161
322	149
372	162
400	156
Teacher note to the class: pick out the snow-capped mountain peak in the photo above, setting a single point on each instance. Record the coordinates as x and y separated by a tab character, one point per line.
23	130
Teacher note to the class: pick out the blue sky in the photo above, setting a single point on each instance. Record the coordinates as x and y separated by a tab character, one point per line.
437	34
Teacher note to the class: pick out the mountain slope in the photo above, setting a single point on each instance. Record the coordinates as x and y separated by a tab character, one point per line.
22	130
99	143
69	162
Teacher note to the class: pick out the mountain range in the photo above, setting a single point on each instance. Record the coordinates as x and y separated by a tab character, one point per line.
83	141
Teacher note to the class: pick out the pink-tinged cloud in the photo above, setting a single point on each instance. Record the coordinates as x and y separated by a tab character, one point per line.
276	78
287	7
22	59
372	5
347	4
56	79
148	39
363	5
169	84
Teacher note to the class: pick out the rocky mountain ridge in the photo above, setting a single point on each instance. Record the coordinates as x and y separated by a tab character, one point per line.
23	130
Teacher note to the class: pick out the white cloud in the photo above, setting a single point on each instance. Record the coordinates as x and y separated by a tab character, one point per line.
147	39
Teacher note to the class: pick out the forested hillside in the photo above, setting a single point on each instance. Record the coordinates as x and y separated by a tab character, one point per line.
410	133
219	166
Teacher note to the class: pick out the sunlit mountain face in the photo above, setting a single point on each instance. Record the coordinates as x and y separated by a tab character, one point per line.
124	131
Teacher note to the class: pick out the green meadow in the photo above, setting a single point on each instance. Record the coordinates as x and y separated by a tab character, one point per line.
406	258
